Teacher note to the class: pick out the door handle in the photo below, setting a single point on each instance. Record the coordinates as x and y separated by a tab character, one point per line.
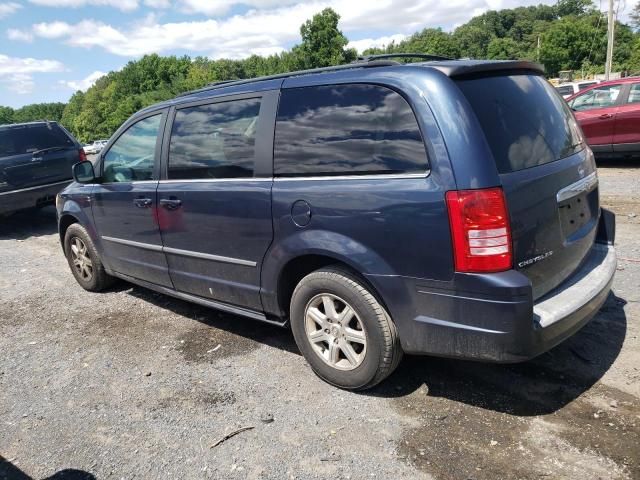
171	203
605	116
142	202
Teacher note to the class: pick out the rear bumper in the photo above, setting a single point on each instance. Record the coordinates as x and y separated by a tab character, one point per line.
16	200
503	323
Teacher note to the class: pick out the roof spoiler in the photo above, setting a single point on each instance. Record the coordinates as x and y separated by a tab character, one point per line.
471	68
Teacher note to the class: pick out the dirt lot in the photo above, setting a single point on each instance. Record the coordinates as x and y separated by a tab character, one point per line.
130	384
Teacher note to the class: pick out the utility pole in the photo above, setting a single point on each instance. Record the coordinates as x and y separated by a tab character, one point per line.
610	37
538	49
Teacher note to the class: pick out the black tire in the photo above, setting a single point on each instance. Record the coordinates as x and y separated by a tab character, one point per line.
99	279
383	351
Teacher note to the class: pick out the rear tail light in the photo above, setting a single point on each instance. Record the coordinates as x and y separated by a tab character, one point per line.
83	155
480	230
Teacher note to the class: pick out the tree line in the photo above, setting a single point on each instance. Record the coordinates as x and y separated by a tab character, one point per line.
570	35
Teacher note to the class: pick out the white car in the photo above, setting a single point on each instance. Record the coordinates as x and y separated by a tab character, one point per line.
100	144
568	89
94	147
89	148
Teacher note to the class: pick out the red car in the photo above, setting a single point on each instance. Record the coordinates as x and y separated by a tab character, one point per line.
609	114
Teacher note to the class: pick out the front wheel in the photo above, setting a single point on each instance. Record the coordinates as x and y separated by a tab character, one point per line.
84	261
342	330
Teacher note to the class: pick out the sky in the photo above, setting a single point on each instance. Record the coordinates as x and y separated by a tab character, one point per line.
51	48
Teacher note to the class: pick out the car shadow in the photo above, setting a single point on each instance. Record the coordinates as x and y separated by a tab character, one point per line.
540	386
537	387
271	335
8	471
34	222
618	162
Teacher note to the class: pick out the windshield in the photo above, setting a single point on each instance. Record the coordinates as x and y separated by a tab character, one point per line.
31	138
526	122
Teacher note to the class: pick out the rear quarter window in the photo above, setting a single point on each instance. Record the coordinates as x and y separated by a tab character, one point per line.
346	130
525	121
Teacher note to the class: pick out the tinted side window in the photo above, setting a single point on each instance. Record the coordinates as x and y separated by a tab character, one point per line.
599	97
346	130
30	138
214	141
132	156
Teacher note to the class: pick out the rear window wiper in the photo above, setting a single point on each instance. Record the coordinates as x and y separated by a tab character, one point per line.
49	149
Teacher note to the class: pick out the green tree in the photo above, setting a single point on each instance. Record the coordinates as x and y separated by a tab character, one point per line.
71	112
473	41
6	115
572	36
39	111
323	44
503	49
574	7
635	17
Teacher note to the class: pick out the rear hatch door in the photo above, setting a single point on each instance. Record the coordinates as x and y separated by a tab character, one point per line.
547	173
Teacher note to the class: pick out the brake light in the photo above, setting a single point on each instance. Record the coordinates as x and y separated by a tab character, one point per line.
480	230
82	155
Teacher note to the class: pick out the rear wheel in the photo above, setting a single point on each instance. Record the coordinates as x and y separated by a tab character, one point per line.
345	334
84	261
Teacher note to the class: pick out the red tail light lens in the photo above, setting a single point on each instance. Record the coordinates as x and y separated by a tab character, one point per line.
83	155
480	230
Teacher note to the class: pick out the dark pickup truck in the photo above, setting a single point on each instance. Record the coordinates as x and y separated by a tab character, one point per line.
35	163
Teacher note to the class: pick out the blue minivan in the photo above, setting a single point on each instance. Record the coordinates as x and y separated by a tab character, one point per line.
445	207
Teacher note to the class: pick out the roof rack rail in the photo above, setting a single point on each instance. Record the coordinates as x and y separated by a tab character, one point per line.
425	56
349	66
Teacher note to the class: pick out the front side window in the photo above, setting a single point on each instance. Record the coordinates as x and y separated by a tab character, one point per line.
346	130
214	141
132	156
634	93
599	97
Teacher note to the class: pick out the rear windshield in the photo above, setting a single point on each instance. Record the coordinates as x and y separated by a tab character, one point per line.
29	138
525	121
565	90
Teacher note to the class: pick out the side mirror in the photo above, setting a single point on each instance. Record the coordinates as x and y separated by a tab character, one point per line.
83	172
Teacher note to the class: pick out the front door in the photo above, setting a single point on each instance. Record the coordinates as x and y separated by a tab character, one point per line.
596	110
627	133
124	208
215	202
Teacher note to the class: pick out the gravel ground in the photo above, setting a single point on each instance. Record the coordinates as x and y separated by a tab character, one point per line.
131	384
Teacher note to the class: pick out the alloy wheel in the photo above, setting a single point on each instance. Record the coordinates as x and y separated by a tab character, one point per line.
80	258
335	331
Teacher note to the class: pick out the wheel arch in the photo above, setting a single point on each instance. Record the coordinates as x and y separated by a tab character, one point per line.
300	266
65	221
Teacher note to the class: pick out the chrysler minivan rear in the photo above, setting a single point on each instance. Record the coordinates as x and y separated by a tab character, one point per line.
533	252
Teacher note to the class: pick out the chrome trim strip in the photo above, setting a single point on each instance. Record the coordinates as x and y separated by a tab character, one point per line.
215	180
207	256
67	182
130	243
446	323
367	176
283	179
134	182
585	184
184	253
